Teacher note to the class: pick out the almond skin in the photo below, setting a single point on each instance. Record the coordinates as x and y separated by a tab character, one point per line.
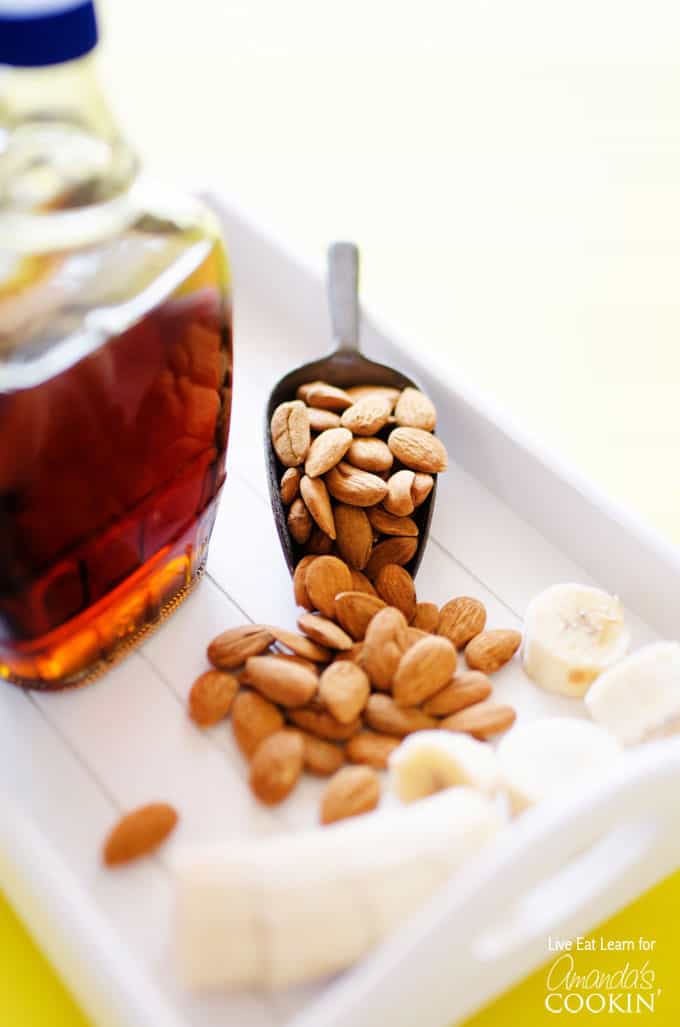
354	535
388	524
327	450
461	619
423	670
395	585
491	650
319	544
353	654
211	697
324	631
324	579
235	645
371	748
480	720
139	833
344	689
350	792
382	714
392	550
299	521
349	485
421	488
360	583
415	410
322	420
385	642
418	450
253	718
466	689
388	392
323	725
301	645
315	496
368	415
321	757
321	394
299	586
276	766
426	617
290	433
285	683
370	455
355	610
399	500
290	483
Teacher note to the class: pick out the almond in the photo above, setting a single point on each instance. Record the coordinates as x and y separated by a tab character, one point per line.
423	670
319	544
371	748
392	550
368	415
235	645
353	654
385	642
253	719
418	450
324	579
322	420
301	645
461	619
467	688
321	394
415	635
490	650
355	610
321	757
360	583
211	697
370	455
323	724
299	521
350	792
421	488
317	501
138	833
481	720
383	714
415	410
399	500
290	433
395	585
354	535
282	658
389	393
276	766
344	689
285	683
327	450
299	586
357	488
290	484
426	617
388	524
324	631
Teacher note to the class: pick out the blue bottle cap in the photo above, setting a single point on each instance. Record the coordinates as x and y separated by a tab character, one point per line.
34	33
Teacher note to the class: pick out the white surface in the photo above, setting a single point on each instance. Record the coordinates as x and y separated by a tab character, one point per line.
77	759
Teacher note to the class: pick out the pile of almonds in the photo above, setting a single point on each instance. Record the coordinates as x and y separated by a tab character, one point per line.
369	457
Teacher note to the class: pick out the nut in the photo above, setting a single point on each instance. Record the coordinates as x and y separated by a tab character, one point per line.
138	833
423	670
367	415
323	724
426	617
384	644
317	501
322	420
290	483
235	645
354	534
324	579
466	689
344	689
421	488
360	583
355	610
290	433
399	500
370	455
383	714
357	488
276	766
415	410
320	544
299	586
371	748
321	757
350	792
284	682
390	393
481	720
253	719
418	450
211	697
324	631
461	619
321	394
389	524
301	645
490	650
392	550
299	521
395	585
327	450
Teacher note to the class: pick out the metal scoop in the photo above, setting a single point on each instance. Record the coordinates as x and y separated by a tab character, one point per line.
344	367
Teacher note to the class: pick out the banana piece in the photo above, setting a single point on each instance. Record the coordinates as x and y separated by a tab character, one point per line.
571	634
430	761
545	756
275	911
639	697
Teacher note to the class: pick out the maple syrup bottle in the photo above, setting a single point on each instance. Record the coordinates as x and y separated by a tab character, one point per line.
115	366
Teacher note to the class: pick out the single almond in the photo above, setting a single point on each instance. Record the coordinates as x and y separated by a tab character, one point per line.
349	485
290	484
253	718
421	488
370	455
290	433
426	617
211	697
418	450
321	394
490	650
467	688
282	658
368	415
327	450
360	583
321	757
382	714
322	420
350	792
353	654
316	499
423	669
324	631
399	500
235	645
415	410
461	619
299	521
354	534
319	544
139	833
388	524
388	392
287	684
395	585
415	635
384	644
324	579
322	724
392	550
480	720
371	748
299	586
301	645
355	610
344	689
277	766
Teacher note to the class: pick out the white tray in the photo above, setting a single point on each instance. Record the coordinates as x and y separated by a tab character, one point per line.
510	520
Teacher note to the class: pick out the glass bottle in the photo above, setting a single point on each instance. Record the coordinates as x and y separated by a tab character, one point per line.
115	366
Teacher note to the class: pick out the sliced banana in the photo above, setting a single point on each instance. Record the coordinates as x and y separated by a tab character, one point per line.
571	634
639	697
430	761
545	756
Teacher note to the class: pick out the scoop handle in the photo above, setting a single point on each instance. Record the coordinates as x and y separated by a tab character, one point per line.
343	295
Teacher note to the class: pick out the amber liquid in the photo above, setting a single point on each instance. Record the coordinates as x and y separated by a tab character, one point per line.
109	477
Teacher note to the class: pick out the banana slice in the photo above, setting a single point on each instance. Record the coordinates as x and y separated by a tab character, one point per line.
640	696
571	634
430	761
545	756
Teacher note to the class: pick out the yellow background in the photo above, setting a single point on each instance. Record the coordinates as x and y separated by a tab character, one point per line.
511	172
